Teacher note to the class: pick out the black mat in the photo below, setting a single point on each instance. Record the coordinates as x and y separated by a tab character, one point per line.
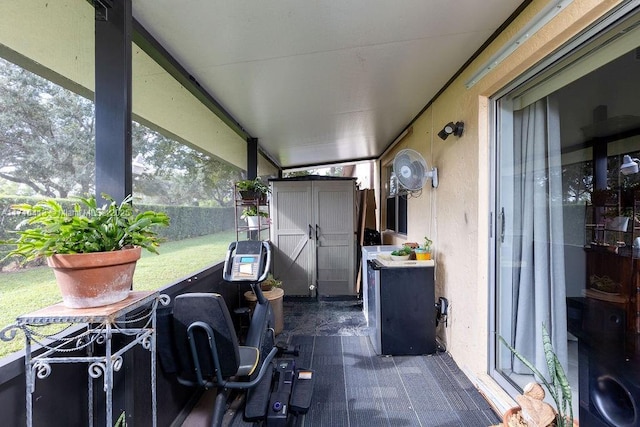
354	387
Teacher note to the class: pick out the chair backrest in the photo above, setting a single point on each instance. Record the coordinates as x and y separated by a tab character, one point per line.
212	310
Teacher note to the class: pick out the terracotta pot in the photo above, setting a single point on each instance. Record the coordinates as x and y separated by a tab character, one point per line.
508	414
94	279
515	410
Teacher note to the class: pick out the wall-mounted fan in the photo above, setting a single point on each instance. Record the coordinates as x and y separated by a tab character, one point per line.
412	170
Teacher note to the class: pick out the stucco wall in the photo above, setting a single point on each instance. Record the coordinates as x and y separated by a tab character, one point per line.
56	40
456	214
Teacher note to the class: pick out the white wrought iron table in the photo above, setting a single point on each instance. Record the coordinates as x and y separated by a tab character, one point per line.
91	327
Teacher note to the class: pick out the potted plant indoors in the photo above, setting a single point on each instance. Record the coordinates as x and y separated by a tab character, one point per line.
252	189
557	386
93	250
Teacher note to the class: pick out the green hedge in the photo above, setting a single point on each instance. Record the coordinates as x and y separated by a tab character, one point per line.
186	221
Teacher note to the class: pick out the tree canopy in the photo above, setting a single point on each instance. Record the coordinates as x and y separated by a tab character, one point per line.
47	135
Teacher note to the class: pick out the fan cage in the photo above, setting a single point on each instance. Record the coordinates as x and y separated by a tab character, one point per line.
412	172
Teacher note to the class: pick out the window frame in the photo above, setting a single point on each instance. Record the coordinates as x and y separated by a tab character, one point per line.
396	206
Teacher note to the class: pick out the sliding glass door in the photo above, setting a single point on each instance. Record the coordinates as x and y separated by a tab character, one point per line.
561	135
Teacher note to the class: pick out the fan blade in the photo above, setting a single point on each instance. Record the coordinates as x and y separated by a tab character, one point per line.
417	169
403	158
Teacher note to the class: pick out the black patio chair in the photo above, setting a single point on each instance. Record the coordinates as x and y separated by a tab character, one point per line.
208	351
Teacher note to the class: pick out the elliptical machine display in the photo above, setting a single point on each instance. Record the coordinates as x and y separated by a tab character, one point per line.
249	262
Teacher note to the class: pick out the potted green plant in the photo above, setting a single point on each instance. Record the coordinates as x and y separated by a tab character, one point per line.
93	250
252	215
270	283
401	254
557	386
423	252
252	189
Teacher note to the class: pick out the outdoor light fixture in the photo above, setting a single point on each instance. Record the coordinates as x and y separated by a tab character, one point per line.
451	128
629	165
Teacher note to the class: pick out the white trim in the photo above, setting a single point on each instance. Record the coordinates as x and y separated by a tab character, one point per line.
494	393
622	40
532	27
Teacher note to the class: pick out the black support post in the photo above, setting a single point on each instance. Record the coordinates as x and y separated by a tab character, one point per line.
599	151
113	99
599	165
252	158
113	28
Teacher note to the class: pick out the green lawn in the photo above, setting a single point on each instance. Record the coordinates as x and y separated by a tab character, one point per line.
27	290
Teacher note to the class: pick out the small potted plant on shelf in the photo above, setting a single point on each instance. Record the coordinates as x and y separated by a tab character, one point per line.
252	215
252	189
532	409
423	252
92	250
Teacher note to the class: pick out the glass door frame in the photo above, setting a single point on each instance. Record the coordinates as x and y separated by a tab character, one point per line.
542	71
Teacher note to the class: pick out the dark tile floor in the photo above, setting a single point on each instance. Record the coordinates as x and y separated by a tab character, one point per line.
355	387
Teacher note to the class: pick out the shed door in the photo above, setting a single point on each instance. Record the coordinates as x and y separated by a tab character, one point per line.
292	235
334	222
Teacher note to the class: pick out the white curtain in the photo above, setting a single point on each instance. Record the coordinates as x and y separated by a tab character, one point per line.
539	294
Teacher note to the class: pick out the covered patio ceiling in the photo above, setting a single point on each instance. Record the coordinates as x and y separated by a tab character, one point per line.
323	82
